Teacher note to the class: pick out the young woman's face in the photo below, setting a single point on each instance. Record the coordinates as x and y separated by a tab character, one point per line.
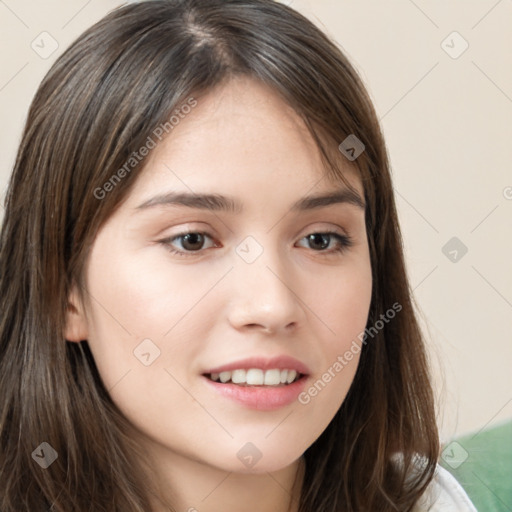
263	282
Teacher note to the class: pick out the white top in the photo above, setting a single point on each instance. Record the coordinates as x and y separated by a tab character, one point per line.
444	494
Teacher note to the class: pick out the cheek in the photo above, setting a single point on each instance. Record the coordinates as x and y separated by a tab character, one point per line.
130	301
342	302
142	304
343	305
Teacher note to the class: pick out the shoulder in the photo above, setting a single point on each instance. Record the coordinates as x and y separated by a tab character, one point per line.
444	494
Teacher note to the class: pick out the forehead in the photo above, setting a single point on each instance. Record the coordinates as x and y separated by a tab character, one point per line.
241	134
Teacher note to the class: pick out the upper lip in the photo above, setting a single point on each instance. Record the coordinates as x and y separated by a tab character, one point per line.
280	362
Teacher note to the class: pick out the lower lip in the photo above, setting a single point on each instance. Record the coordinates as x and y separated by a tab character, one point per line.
261	398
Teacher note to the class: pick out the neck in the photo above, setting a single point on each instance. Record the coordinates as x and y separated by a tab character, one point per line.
192	486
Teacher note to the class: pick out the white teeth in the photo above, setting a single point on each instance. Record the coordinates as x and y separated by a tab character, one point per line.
291	376
272	377
224	376
238	376
256	377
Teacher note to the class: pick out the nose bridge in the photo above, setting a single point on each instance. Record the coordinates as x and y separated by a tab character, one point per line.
263	294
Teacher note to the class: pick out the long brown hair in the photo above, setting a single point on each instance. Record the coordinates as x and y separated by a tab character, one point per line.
115	85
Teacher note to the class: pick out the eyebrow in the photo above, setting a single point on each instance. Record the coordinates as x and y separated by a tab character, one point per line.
218	202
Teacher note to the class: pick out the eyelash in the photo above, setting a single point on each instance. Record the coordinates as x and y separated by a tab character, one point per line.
345	242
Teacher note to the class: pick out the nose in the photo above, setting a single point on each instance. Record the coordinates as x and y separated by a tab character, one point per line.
263	296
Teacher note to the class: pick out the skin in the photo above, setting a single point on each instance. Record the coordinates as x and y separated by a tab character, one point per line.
211	307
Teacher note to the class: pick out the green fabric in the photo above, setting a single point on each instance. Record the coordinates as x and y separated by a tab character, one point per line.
482	464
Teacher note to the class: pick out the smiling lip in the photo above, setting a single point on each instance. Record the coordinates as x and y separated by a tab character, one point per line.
261	398
280	363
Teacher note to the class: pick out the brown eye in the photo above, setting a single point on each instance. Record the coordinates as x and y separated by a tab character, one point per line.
190	242
320	242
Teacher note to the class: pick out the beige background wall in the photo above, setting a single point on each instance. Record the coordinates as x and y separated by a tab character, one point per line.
446	112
